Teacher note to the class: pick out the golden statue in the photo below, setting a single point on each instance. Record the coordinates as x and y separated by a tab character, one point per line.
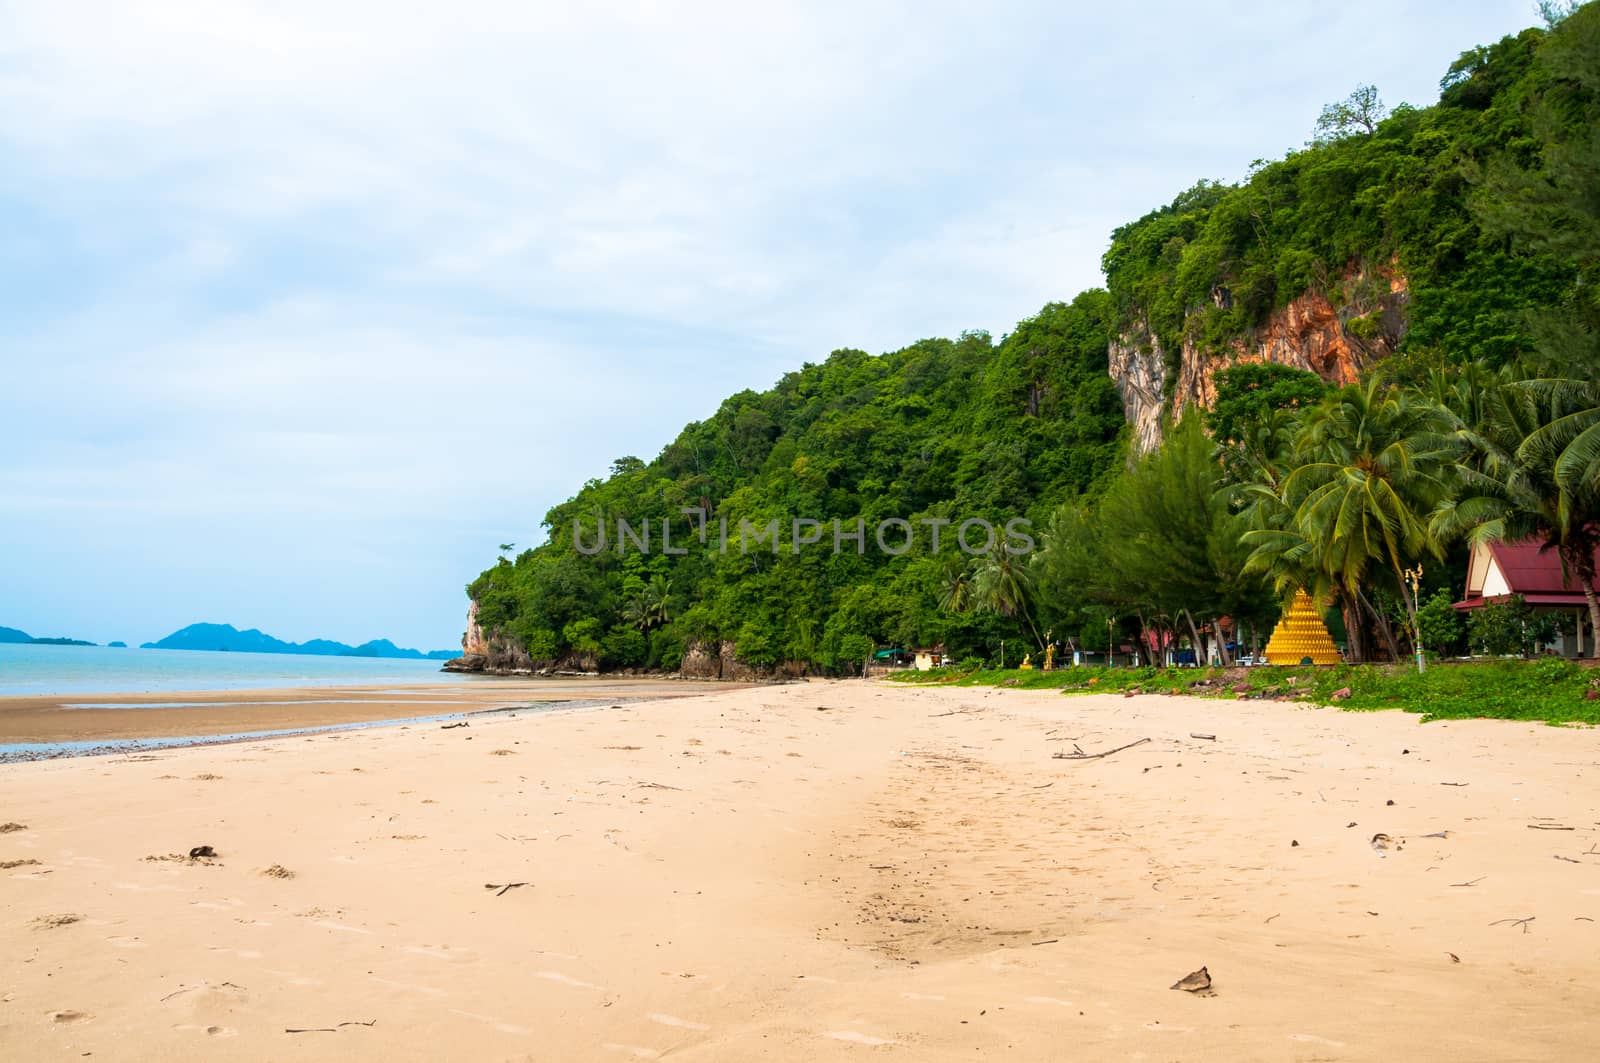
1050	657
1027	662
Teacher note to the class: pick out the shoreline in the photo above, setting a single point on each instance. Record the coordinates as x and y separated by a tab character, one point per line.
817	871
30	719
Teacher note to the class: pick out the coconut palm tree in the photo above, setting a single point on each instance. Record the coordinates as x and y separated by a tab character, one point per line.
1514	484
649	608
1003	583
1370	464
956	593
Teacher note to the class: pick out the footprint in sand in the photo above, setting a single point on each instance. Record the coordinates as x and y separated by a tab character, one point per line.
328	924
557	976
442	952
1314	1039
425	990
673	1020
637	1051
858	1038
66	1015
123	942
503	1027
209	1031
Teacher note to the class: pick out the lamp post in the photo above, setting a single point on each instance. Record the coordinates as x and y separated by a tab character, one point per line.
1109	623
1414	578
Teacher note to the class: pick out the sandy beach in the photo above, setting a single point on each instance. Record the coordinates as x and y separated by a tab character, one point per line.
815	871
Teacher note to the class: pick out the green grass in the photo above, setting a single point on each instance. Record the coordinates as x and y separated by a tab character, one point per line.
1549	690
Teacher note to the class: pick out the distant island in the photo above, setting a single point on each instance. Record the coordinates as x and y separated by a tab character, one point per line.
227	638
22	638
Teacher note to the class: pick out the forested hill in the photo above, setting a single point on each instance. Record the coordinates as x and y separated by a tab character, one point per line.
957	428
1410	240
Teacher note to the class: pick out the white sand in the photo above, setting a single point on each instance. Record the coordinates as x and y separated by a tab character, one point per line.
907	874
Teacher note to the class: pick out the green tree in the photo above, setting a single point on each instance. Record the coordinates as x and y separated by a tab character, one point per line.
855	650
1003	584
1359	112
1438	625
1373	460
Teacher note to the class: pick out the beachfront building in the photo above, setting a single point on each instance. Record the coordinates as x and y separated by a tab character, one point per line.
930	658
1498	572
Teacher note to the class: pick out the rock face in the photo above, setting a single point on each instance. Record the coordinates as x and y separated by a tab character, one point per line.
1335	331
1139	368
720	660
473	642
494	652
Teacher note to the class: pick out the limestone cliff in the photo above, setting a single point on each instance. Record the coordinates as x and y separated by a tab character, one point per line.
494	652
1333	330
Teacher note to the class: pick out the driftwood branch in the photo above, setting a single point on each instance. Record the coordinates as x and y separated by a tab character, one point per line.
504	889
1079	754
1523	923
327	1029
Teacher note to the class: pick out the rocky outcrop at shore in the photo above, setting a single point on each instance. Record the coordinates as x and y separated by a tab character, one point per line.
720	660
498	653
1335	331
490	653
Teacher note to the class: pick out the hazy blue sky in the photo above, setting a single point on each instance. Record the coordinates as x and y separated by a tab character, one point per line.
305	307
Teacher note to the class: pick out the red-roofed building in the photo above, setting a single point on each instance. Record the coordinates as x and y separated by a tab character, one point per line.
1497	571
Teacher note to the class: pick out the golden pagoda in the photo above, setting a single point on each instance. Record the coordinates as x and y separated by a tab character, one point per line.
1301	634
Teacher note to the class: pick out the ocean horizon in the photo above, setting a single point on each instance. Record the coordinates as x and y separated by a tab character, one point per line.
42	670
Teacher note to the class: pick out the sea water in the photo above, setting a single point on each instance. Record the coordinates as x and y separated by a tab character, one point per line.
29	669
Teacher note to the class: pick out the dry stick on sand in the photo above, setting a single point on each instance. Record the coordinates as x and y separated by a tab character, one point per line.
505	888
1548	826
1079	754
1523	923
1470	882
327	1029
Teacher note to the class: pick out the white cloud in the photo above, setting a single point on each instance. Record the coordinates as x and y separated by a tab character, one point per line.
358	264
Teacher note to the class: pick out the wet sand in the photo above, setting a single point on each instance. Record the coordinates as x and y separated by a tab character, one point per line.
816	871
109	717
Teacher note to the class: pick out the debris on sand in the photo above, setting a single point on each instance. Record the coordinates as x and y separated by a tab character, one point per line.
7	865
1078	754
1381	843
277	871
503	890
200	854
12	828
50	922
1194	981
